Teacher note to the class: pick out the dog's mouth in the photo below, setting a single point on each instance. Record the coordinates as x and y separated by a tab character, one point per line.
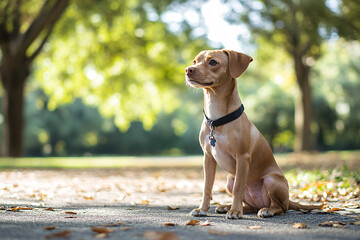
194	83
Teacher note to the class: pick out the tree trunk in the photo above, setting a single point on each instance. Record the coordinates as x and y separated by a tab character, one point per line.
13	80
303	107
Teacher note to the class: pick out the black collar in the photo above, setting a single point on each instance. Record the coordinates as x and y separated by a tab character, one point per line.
212	124
225	119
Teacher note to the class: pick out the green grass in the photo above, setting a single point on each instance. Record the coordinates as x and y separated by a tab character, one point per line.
287	161
100	162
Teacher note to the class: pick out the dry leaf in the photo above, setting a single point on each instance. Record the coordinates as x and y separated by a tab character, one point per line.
172	208
102	229
125	228
25	208
145	202
88	198
206	223
331	224
170	224
49	227
193	222
101	235
299	225
214	232
254	227
334	209
153	235
71	213
62	234
336	225
17	209
356	223
49	209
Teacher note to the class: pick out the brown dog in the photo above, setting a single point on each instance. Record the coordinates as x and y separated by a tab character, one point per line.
234	143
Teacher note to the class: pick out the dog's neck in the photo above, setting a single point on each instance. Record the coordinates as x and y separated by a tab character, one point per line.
222	100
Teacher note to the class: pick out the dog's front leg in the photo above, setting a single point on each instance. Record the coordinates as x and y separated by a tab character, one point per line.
242	169
209	178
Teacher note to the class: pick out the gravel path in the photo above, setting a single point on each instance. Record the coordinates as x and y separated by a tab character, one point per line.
135	204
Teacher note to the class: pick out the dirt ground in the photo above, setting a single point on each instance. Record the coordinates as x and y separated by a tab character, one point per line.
135	203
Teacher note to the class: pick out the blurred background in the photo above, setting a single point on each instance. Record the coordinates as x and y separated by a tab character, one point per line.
89	78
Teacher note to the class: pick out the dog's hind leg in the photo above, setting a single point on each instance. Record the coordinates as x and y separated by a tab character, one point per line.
277	188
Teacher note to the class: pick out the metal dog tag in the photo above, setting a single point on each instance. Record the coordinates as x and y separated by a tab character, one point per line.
212	138
212	141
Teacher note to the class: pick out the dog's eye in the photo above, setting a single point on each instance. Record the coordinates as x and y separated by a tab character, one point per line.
194	62
213	63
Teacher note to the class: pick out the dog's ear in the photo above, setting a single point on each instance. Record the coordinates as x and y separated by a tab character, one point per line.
238	62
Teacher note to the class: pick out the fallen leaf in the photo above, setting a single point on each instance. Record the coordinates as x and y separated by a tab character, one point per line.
153	235
102	229
145	202
254	227
101	235
299	226
88	198
71	213
336	225
334	209
214	232
172	208
17	209
3	208
356	223
49	209
331	224
125	228
62	234
170	224
49	227
206	223
25	208
193	222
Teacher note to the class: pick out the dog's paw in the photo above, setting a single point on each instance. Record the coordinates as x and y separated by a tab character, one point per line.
266	212
234	214
222	208
198	213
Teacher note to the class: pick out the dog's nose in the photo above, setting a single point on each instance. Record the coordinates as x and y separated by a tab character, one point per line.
190	70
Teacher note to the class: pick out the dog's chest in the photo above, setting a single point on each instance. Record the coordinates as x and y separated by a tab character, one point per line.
220	152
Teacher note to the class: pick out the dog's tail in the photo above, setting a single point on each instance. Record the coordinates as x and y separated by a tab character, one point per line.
298	206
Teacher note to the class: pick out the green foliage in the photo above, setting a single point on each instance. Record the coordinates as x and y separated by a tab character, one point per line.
76	129
336	87
118	56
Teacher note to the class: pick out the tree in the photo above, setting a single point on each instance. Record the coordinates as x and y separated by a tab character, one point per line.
22	37
117	55
129	65
299	27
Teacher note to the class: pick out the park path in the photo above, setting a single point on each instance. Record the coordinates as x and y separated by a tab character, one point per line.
135	203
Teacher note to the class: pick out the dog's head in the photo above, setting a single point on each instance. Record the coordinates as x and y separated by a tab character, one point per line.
210	68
